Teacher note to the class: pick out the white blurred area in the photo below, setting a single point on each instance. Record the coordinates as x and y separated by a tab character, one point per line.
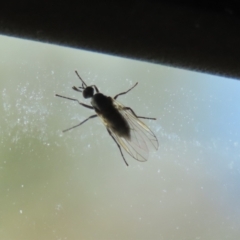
75	185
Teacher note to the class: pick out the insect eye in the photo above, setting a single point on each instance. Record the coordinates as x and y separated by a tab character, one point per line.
88	92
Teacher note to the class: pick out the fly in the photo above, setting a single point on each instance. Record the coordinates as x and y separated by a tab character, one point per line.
123	125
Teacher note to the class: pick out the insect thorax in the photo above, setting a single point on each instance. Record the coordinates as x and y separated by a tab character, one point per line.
110	115
100	102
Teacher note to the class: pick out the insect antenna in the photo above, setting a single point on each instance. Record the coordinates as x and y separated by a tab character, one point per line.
83	83
79	89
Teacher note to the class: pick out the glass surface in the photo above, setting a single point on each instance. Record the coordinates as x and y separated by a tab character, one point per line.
75	185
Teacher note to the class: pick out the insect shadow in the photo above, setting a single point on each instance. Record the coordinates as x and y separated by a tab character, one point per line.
123	125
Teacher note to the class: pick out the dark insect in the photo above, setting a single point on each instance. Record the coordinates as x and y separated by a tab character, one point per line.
121	122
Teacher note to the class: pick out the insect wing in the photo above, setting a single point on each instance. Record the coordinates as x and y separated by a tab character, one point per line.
142	139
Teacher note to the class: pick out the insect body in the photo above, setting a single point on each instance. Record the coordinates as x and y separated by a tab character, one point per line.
122	124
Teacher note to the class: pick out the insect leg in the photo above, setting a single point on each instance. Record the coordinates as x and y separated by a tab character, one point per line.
118	146
126	91
128	108
74	99
93	116
96	89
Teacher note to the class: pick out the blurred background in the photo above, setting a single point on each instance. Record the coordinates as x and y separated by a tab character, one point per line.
75	185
